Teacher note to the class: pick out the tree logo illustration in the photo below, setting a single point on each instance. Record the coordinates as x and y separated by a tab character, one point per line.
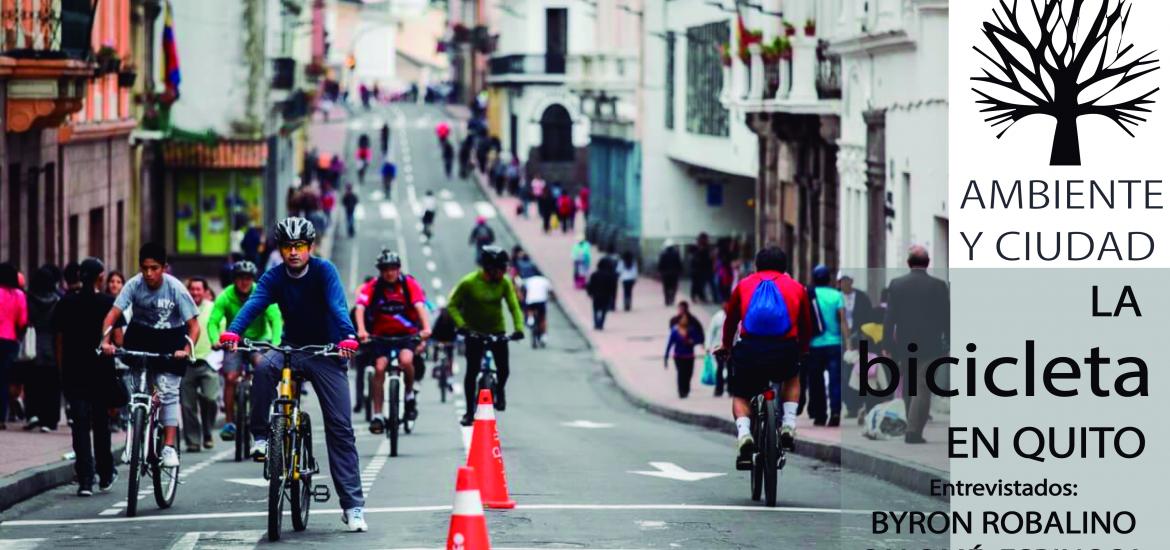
1058	58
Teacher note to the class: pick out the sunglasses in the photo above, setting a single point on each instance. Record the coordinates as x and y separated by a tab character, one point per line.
299	246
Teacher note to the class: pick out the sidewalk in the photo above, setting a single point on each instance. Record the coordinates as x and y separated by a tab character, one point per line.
632	344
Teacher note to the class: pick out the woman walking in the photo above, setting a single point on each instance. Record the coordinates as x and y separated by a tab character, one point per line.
628	273
13	322
682	341
42	382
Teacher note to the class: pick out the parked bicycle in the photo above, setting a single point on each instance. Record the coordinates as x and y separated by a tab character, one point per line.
290	465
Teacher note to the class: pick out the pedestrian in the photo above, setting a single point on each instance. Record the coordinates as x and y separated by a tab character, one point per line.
199	389
583	203
567	211
546	205
628	273
250	244
512	175
918	312
350	202
225	269
702	269
70	274
498	173
42	382
384	134
609	262
448	155
328	201
538	186
858	311
714	337
525	199
669	269
389	172
684	310
13	322
114	282
825	351
582	260
465	157
86	378
602	288
682	341
481	236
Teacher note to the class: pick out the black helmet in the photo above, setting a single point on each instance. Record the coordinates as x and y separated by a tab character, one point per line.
244	268
294	229
90	269
493	257
388	258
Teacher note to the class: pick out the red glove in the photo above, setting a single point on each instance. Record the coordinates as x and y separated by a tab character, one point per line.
348	344
229	337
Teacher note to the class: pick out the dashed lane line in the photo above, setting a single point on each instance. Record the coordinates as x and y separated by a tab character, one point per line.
359	212
453	209
387	210
184	474
219	540
484	209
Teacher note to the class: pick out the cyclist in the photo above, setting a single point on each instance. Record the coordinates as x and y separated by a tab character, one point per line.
263	329
537	289
429	206
393	305
312	304
164	320
448	151
363	157
389	172
481	236
475	305
772	313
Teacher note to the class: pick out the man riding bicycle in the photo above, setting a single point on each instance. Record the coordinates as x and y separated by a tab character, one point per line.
165	321
263	329
312	304
429	206
775	331
475	305
392	306
537	290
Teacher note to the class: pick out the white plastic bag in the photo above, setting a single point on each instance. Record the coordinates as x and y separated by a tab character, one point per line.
886	420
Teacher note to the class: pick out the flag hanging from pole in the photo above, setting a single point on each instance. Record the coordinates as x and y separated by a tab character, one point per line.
170	68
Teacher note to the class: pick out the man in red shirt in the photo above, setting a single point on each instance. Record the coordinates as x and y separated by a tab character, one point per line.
773	317
391	306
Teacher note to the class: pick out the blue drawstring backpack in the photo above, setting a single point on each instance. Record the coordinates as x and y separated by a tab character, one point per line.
767	313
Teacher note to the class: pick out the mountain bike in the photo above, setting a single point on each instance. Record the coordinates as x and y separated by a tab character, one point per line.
395	394
770	456
290	465
443	353
146	433
487	379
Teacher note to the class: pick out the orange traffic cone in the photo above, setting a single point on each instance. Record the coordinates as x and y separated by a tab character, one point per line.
486	456
468	527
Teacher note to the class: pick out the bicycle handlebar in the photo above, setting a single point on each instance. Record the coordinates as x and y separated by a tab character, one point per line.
489	338
322	350
411	340
123	352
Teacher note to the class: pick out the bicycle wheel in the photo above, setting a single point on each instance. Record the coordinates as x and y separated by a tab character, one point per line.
274	463
301	489
166	480
757	475
138	427
770	453
367	395
241	420
393	416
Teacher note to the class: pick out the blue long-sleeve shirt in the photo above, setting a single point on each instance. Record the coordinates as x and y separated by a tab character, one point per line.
313	307
679	342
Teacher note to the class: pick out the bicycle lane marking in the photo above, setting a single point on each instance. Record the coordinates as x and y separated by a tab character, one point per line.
184	473
374	467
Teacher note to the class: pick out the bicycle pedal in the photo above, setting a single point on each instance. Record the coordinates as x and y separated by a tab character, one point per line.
320	493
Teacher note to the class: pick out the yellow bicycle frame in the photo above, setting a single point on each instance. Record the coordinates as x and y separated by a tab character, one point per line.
286	390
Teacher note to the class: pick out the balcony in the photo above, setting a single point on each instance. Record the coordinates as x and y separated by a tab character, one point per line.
44	60
808	81
538	68
598	73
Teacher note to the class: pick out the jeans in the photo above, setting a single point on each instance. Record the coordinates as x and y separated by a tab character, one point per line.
349	223
42	393
812	376
328	376
628	293
89	416
669	288
474	351
686	370
599	311
8	349
200	390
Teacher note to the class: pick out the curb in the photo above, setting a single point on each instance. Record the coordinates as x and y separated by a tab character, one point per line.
29	483
912	477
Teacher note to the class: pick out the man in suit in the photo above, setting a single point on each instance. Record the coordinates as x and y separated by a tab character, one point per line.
918	312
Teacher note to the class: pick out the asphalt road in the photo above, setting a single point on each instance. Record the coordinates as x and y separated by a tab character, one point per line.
572	445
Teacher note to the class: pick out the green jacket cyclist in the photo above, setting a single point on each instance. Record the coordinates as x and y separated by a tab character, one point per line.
475	305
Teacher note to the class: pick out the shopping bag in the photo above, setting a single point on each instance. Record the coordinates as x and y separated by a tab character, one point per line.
28	346
708	376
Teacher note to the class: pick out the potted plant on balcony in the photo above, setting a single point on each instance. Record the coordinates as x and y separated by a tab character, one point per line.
107	60
771	54
789	28
725	54
810	27
127	74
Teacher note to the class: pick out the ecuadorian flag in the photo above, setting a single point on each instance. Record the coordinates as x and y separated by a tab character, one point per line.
170	66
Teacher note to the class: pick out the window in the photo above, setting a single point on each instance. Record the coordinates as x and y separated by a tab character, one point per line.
97	232
556	134
14	208
213	208
33	211
51	212
670	80
73	229
556	39
705	115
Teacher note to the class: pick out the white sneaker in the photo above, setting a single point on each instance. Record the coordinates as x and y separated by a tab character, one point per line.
170	457
259	449
356	521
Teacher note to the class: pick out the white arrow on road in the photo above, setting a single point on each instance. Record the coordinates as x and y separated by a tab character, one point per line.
670	470
586	424
250	481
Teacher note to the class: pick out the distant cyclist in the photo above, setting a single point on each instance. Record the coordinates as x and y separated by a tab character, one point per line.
476	304
481	236
266	328
537	290
393	305
164	320
429	206
772	314
312	304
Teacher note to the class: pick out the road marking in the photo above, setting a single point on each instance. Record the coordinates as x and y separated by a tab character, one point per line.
586	424
249	481
377	195
431	265
442	301
359	212
408	169
444	508
184	473
357	124
650	525
453	209
426	251
409	178
485	209
437	283
20	544
670	470
218	540
374	467
387	210
446	194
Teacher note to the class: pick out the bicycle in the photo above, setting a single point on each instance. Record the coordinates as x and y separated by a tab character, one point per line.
289	466
146	434
444	356
243	438
395	394
770	456
487	373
